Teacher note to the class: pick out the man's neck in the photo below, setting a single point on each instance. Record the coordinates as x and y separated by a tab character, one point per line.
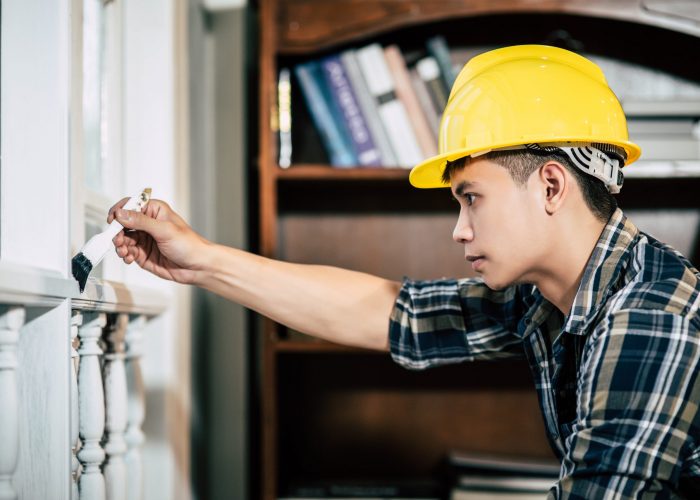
566	263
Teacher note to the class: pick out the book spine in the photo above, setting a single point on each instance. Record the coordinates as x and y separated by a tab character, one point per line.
284	110
407	96
429	71
369	107
346	102
311	81
437	47
391	111
423	94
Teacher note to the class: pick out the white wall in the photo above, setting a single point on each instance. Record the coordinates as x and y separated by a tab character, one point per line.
35	134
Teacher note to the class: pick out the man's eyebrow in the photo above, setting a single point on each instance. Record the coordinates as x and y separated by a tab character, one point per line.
463	186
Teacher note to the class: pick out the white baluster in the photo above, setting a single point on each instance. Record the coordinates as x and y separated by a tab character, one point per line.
76	321
116	407
137	403
11	320
92	407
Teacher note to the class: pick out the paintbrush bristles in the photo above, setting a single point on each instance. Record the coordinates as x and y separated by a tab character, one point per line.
81	267
92	253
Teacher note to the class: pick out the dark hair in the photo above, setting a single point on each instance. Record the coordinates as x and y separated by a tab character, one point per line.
521	163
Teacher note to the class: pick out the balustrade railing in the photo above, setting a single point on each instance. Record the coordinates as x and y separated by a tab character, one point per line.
106	407
11	320
111	403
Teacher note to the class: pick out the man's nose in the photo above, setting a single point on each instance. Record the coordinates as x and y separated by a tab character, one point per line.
463	231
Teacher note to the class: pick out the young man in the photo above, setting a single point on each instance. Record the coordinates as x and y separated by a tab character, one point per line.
532	143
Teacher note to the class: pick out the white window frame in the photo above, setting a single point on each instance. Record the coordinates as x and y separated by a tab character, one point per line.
90	205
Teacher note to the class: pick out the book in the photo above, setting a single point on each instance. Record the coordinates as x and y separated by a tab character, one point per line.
479	476
432	114
462	461
369	107
458	494
406	94
316	95
391	111
353	119
513	484
437	47
284	117
429	72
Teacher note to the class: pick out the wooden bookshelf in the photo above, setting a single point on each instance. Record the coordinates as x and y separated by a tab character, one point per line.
329	411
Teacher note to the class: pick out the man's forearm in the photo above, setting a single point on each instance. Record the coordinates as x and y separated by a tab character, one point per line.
338	305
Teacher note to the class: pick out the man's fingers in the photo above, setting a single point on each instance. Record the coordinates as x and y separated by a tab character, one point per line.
115	207
126	239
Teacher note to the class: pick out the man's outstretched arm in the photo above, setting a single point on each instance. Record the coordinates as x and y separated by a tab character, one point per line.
338	305
335	304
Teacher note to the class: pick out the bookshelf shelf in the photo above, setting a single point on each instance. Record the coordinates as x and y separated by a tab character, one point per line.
659	171
328	173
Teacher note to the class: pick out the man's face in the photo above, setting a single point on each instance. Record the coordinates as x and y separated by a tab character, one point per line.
500	223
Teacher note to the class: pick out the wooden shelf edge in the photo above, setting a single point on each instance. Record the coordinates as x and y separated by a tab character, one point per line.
326	172
306	26
329	173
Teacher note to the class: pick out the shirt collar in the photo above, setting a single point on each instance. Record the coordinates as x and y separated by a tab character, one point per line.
609	258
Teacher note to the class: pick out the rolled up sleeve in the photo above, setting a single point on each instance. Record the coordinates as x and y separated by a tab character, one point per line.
449	321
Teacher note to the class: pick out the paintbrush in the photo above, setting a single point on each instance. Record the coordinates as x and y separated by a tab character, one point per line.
97	247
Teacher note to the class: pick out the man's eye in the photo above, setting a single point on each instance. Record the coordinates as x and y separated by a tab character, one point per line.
469	198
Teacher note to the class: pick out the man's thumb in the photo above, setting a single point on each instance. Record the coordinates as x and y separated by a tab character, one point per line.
131	219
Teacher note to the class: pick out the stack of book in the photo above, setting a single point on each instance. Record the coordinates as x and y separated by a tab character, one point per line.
372	106
488	477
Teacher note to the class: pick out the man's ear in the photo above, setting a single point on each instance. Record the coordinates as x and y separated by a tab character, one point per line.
555	180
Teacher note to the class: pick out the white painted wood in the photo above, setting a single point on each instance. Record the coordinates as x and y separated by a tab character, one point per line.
21	284
92	410
34	138
31	286
11	320
136	408
76	321
119	297
115	406
43	381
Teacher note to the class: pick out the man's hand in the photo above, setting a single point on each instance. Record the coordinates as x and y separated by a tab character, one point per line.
160	242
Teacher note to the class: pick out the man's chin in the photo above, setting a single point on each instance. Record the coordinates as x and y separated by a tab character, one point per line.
495	283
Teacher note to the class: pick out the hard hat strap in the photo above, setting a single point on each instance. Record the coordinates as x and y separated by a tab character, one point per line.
602	161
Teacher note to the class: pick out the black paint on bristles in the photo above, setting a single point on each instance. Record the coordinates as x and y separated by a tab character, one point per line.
81	269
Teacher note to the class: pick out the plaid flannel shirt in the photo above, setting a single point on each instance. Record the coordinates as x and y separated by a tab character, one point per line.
617	379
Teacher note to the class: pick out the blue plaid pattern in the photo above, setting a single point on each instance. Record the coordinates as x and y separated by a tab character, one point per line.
617	379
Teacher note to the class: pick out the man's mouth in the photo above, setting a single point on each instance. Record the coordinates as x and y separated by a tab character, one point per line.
477	261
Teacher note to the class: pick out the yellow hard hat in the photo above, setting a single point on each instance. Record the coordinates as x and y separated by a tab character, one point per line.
525	94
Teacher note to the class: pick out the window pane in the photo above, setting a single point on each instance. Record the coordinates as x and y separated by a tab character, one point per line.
93	56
